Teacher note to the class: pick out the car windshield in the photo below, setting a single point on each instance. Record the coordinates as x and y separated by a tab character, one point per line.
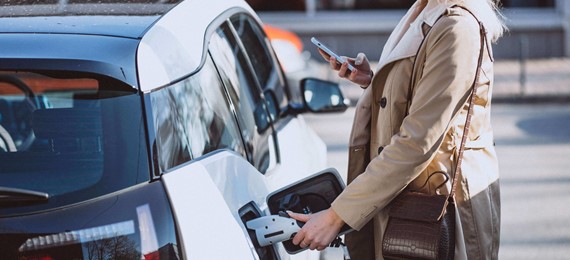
72	136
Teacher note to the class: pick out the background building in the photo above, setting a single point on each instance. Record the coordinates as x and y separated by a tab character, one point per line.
538	28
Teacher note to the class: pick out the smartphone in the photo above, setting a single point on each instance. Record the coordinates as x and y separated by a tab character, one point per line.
323	47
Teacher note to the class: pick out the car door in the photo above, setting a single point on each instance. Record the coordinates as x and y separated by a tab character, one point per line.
246	97
298	150
202	163
223	138
255	85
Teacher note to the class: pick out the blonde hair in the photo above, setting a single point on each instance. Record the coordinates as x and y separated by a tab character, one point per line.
487	12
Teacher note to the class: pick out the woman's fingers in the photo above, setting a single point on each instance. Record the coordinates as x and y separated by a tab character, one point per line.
360	59
325	55
299	239
360	74
334	63
319	231
313	246
300	217
343	71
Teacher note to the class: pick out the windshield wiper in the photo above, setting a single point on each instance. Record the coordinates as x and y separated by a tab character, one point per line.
14	195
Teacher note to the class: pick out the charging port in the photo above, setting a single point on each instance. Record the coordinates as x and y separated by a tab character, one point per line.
247	213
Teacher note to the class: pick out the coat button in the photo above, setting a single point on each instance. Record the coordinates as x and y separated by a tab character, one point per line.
383	102
380	149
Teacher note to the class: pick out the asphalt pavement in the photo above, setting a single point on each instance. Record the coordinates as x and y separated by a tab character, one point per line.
533	145
531	123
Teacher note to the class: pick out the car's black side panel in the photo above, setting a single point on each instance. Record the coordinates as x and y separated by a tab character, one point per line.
144	209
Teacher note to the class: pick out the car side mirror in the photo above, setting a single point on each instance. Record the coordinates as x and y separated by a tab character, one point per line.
320	96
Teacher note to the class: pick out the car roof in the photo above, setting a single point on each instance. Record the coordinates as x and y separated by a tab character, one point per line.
119	18
147	44
116	26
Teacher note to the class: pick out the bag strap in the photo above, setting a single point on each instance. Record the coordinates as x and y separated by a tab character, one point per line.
483	37
471	103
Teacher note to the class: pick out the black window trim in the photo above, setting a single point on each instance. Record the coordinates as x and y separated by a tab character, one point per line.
232	107
260	33
257	85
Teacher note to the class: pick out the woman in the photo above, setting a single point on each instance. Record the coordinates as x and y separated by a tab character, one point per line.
393	147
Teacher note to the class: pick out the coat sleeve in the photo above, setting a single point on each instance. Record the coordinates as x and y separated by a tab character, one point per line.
452	50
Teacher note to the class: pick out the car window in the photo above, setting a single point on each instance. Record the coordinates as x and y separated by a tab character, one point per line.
245	95
76	135
258	50
193	117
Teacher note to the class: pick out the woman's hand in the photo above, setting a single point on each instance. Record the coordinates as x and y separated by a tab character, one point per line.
319	231
362	75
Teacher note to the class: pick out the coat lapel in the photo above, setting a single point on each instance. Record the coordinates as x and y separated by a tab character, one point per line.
393	47
406	47
397	48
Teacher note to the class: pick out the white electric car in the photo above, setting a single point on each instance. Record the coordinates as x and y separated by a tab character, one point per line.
148	130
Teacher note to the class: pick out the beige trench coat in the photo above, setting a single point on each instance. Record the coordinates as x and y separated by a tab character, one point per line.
390	151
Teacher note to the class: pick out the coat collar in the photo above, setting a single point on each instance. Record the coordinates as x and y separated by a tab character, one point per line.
411	26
